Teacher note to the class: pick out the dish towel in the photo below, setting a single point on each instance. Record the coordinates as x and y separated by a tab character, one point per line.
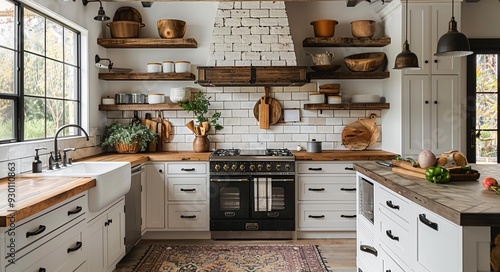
263	194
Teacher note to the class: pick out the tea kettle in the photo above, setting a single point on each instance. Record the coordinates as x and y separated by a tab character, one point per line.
322	58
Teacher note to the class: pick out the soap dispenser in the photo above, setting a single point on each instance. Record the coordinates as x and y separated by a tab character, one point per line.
37	163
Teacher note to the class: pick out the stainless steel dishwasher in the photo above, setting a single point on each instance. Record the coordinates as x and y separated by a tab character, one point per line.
133	209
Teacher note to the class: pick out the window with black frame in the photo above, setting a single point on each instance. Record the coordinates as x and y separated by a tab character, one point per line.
39	74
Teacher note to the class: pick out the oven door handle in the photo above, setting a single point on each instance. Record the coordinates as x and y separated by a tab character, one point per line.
283	180
229	180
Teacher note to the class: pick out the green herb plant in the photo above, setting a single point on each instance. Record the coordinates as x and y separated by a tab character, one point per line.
128	134
199	107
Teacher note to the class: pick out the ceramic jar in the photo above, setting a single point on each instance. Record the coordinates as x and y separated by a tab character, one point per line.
168	66
180	94
154	67
182	66
201	143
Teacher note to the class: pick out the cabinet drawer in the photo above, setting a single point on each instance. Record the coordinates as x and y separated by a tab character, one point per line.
40	225
388	264
367	251
186	168
327	217
392	203
188	217
338	188
65	252
325	168
395	239
186	189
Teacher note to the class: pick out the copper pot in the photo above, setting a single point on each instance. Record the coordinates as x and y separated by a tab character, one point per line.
324	28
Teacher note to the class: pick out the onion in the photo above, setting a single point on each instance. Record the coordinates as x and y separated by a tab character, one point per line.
426	159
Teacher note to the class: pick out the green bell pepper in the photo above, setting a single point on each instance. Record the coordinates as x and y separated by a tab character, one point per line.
437	174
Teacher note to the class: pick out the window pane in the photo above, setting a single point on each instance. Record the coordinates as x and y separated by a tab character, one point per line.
7	66
71	115
54	116
70	47
7	123
486	146
486	111
7	24
70	82
54	41
34	118
55	78
486	73
34	32
34	75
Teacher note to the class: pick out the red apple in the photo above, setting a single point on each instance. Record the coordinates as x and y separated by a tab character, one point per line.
488	182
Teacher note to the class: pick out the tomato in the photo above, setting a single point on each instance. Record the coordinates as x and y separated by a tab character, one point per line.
488	182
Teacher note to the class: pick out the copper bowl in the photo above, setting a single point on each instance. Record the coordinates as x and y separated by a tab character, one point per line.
324	28
363	28
365	62
171	28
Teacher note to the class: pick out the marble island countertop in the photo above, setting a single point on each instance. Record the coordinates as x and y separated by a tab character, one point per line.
465	203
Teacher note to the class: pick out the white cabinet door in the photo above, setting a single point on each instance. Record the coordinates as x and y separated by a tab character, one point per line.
432	113
115	235
155	196
426	24
97	259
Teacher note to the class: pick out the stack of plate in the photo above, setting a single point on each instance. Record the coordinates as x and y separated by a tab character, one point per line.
365	98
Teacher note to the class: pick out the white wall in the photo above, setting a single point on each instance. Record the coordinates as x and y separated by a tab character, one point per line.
481	20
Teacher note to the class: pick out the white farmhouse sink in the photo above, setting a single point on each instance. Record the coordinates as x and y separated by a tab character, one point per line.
112	180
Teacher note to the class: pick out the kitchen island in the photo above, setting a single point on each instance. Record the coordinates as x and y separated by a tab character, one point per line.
416	225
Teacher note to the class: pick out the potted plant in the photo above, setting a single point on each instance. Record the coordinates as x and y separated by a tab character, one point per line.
128	138
199	106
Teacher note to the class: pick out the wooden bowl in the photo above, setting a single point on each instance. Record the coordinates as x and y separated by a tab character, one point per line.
363	28
324	28
365	62
171	28
125	29
325	68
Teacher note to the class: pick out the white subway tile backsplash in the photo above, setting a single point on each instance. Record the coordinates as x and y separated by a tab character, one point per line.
251	5
259	13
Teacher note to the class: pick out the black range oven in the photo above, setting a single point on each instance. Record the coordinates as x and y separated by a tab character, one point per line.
252	194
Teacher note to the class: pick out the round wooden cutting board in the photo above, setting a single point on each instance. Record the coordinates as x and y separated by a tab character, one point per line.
360	134
274	110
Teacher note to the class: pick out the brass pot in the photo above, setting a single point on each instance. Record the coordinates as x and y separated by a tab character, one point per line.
324	28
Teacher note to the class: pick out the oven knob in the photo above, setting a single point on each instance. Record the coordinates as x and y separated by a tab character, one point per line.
278	167
259	167
217	167
287	167
234	167
252	167
225	167
268	167
242	167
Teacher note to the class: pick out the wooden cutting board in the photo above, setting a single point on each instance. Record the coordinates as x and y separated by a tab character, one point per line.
263	113
274	110
406	168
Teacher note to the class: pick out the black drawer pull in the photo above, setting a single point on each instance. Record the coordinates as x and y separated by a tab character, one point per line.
388	270
427	222
40	229
315	169
368	249
41	269
76	247
392	206
348	216
348	189
389	234
188	169
316	189
349	168
188	190
316	216
188	216
75	211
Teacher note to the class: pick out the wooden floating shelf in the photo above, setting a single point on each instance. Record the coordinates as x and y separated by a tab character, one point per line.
147	43
139	107
347	106
348	75
147	76
345	42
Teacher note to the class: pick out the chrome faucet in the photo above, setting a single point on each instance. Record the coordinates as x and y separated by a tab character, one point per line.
57	154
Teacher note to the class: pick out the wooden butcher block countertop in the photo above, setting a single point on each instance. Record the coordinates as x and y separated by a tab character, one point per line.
35	194
138	158
344	155
464	203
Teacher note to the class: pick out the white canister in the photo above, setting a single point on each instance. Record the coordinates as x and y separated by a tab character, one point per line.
180	94
168	66
182	66
156	98
316	98
154	67
108	101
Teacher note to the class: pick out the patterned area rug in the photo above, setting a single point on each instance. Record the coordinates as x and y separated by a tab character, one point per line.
232	258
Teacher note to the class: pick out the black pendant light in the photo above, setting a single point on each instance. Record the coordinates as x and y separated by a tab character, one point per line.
101	14
406	59
453	43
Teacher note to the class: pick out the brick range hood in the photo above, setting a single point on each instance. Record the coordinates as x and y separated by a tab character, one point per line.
251	45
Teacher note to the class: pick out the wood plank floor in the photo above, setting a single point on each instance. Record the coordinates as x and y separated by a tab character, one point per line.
339	253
